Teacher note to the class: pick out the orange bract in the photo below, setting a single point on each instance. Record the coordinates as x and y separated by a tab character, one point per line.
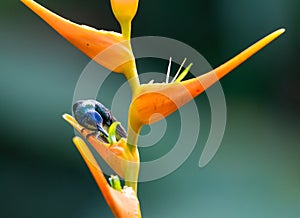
123	204
107	48
124	161
164	99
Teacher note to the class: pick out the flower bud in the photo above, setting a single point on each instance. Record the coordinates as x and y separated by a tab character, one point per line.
124	10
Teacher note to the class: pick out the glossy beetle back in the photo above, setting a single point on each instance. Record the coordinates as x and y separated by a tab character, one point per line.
93	115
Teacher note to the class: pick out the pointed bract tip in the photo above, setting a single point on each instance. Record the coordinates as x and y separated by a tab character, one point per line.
278	32
69	119
282	30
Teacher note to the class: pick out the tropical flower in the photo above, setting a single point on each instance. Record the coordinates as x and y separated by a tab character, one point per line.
150	102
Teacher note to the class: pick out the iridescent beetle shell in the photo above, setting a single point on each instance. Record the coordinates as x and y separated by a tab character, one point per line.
94	116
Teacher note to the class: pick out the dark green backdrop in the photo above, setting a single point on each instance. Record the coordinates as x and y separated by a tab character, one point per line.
256	172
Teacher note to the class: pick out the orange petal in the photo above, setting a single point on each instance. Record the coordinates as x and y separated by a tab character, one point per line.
115	51
153	99
122	204
123	161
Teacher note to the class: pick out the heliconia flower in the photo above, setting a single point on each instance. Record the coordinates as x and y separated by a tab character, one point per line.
157	101
123	159
124	11
123	202
116	53
150	102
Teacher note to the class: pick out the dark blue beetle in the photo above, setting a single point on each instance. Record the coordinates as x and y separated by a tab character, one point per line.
93	115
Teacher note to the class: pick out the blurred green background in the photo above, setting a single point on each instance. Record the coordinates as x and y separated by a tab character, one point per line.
256	172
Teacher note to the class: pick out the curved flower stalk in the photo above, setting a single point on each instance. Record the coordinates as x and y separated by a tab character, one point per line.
123	202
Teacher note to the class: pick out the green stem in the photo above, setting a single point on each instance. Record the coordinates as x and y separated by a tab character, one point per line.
132	76
126	29
133	172
131	71
132	138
